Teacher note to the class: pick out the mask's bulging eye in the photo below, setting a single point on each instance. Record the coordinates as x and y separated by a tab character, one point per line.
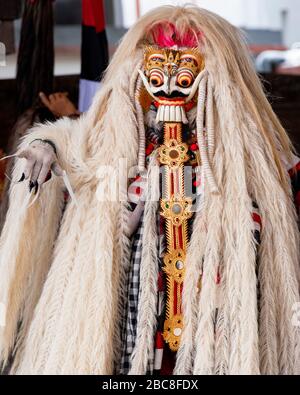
156	78
185	79
157	58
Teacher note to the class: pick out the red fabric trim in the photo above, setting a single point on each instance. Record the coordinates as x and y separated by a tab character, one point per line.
149	149
168	362
256	218
181	290
93	14
159	341
172	183
175	298
174	238
180	237
161	282
175	132
294	169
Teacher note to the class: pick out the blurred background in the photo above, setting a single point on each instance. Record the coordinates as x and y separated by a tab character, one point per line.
272	28
65	45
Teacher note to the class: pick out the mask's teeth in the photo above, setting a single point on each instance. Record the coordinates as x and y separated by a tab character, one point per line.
167	114
162	113
172	114
183	116
178	114
158	114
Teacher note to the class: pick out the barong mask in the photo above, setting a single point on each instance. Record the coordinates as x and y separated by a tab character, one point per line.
171	77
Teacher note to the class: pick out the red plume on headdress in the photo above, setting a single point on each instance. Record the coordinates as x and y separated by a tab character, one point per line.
165	34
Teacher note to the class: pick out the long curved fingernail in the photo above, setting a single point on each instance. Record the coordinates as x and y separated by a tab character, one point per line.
49	176
22	178
31	186
36	188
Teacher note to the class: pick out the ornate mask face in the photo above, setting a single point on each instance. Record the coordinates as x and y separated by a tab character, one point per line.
170	72
170	77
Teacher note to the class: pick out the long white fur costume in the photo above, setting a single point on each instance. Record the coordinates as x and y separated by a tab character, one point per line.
67	290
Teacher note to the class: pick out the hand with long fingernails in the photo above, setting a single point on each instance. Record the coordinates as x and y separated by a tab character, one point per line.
41	160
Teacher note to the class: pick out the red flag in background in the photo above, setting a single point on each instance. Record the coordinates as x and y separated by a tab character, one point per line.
93	14
94	51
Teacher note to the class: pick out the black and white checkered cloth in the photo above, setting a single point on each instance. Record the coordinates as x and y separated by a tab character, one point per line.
129	331
131	312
